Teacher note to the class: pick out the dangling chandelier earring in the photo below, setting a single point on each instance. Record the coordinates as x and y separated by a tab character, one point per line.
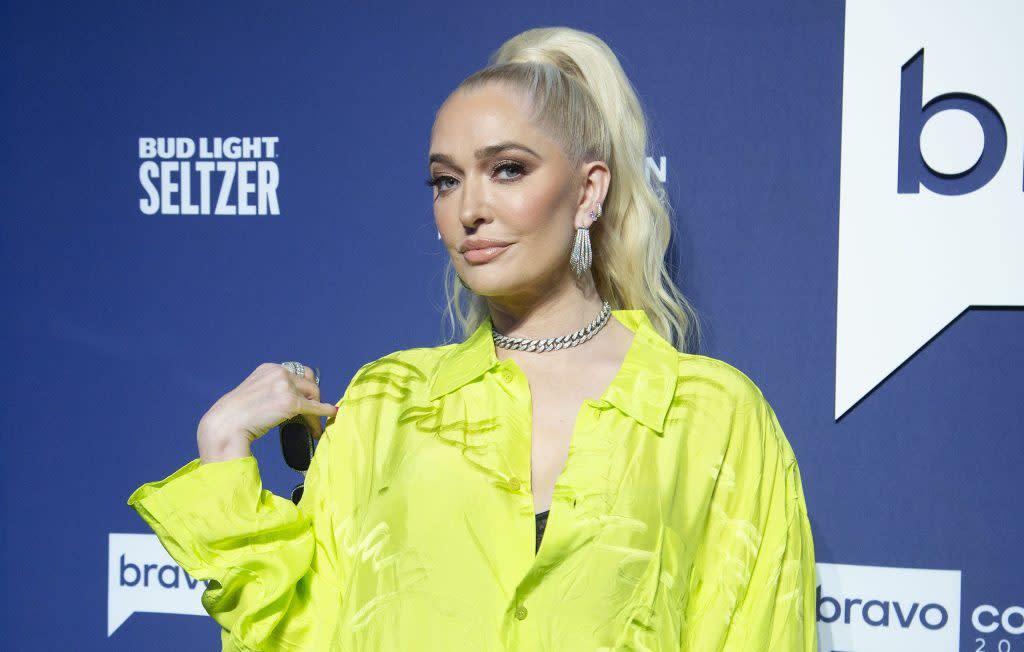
582	254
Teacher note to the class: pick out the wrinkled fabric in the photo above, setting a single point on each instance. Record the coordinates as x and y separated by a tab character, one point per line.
678	522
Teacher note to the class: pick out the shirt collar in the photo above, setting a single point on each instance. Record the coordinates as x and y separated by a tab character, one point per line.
643	388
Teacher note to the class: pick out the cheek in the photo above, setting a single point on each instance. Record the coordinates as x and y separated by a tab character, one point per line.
447	222
540	210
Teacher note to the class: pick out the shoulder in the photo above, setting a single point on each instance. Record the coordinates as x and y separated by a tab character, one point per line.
716	380
399	374
728	397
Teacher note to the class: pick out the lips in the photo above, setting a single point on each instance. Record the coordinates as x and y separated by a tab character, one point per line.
485	254
482	243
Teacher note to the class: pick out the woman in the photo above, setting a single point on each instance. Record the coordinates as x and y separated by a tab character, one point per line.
674	512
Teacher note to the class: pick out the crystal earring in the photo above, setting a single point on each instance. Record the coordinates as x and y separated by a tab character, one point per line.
582	254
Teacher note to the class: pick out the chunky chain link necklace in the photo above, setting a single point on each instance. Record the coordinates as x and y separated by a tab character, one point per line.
554	343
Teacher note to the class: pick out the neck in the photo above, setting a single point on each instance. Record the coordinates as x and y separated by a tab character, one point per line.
547	316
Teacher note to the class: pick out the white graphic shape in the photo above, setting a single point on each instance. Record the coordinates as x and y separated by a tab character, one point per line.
883	609
910	263
142	577
952	141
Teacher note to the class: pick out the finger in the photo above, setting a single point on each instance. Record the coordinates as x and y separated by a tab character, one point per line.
312	411
313	423
306	387
309	373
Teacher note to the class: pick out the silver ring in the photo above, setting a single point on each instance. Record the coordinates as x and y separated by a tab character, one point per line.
299	369
296	368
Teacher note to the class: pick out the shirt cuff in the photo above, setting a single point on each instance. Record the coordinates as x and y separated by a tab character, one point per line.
196	493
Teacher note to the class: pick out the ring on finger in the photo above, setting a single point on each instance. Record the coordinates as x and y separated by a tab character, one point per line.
296	368
299	369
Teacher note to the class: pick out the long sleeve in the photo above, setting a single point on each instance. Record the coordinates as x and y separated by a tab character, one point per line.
757	578
777	610
276	570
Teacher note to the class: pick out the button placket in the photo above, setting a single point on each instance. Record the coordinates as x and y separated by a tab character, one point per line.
515	483
518	457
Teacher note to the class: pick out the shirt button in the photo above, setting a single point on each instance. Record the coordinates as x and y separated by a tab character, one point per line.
521	612
514	484
507	376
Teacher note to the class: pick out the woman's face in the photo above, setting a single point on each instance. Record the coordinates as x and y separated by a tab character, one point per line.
498	177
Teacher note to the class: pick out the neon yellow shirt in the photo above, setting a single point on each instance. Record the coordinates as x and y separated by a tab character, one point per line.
678	522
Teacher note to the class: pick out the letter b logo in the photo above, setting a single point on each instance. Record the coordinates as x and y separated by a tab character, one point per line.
913	170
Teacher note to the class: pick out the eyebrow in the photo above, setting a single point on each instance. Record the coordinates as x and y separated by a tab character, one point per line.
483	152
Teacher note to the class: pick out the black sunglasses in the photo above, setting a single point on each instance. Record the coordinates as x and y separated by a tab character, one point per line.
297	444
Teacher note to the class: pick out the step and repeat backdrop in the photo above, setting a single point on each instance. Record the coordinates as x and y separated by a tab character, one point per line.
191	190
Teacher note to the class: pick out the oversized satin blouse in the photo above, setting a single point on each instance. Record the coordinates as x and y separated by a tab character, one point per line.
677	523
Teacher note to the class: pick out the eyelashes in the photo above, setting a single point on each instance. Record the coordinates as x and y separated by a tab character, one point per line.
514	166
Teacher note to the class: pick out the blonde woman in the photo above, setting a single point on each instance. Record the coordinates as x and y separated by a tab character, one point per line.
567	477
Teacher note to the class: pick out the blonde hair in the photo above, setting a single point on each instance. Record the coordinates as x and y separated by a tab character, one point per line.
581	97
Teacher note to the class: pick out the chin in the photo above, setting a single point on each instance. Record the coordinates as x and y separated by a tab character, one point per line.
484	287
498	284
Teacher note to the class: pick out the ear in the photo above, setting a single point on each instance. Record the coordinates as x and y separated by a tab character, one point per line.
594	176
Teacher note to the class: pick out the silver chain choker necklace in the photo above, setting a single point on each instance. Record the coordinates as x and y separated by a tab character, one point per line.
554	343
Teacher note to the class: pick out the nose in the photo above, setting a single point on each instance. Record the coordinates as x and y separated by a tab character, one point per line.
475	205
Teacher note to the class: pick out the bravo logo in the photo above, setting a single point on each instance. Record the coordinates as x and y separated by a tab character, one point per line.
931	207
881	609
142	577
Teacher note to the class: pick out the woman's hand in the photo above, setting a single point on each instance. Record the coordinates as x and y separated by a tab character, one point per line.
268	397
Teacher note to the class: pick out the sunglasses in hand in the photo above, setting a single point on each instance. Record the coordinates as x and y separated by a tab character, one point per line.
297	444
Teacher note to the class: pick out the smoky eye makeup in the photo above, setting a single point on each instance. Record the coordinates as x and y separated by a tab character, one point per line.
518	168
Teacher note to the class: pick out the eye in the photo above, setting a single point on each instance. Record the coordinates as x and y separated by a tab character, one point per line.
510	165
436	182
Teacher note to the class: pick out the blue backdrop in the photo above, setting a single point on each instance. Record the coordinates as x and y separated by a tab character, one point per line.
123	328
